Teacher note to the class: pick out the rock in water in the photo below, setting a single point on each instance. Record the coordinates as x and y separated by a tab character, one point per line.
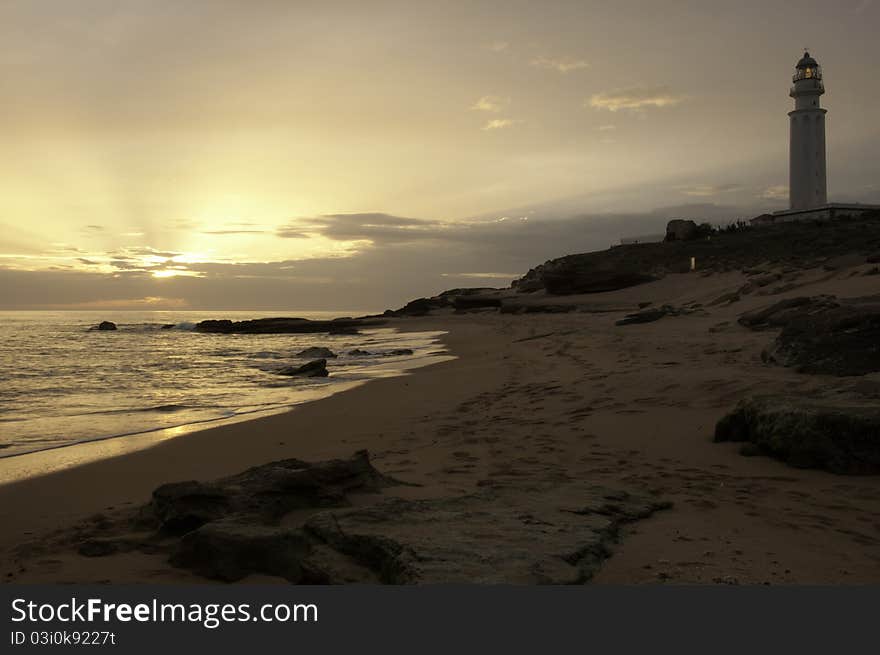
317	351
841	437
106	325
314	369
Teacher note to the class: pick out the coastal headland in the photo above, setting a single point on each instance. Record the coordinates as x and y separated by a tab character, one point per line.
696	411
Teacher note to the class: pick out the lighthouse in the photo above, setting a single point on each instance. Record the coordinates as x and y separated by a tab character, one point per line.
807	184
808	196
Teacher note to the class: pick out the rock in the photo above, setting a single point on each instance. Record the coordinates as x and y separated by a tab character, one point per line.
183	506
564	282
823	335
422	306
470	303
838	436
314	369
558	536
644	316
345	329
681	230
168	326
264	493
357	352
536	308
106	325
97	547
781	313
317	351
726	299
284	325
229	551
399	352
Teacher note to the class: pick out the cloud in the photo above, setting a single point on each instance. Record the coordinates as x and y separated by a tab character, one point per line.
635	98
501	123
369	226
497	46
560	64
491	104
234	232
776	192
706	190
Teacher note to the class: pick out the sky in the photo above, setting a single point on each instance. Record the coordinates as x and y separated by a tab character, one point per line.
282	155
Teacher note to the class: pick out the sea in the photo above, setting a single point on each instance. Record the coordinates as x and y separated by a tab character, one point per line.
63	383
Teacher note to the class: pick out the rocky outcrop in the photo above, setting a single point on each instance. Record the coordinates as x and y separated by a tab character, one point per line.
105	326
823	334
558	536
652	314
461	300
475	302
230	550
293	519
262	494
681	230
357	352
317	351
841	436
780	314
644	316
286	325
313	369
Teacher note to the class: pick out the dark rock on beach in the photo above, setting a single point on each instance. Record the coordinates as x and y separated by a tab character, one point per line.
823	334
644	316
558	536
314	369
230	550
841	436
357	352
780	314
105	326
317	351
262	494
241	525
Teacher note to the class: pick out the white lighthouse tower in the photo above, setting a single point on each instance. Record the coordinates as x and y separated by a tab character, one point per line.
807	182
806	167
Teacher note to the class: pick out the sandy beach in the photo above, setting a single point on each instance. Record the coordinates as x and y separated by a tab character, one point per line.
535	400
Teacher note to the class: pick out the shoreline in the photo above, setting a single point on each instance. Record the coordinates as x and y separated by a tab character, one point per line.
21	464
530	403
129	476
